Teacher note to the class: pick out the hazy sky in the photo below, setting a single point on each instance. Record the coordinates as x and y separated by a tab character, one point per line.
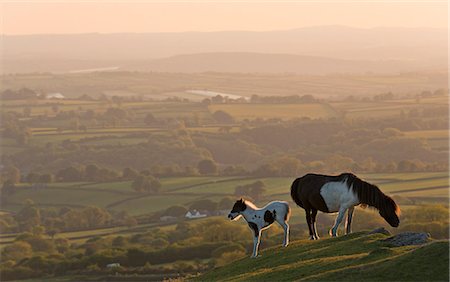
32	17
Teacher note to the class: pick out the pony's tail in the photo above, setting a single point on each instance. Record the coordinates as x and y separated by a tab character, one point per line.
294	192
287	215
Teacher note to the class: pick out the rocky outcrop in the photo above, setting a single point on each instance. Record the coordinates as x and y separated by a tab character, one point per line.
408	238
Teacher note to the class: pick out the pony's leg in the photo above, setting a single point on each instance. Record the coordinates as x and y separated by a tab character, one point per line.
348	222
308	221
256	241
313	224
333	231
285	226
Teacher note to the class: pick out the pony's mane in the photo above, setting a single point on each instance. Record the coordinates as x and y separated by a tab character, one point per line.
250	204
369	194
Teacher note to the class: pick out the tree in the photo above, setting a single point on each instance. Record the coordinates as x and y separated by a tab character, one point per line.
96	216
28	217
12	174
17	251
222	117
46	178
288	166
150	119
129	173
207	167
70	174
255	190
52	232
176	211
218	99
91	172
33	178
203	205
148	184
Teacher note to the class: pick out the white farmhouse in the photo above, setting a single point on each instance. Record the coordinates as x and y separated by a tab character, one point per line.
194	214
54	96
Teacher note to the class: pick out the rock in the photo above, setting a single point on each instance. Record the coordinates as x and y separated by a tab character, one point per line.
380	230
408	238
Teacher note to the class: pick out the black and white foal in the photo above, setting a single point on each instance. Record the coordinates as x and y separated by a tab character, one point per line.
341	193
259	219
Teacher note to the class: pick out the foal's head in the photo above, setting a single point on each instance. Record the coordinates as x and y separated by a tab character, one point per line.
238	207
390	211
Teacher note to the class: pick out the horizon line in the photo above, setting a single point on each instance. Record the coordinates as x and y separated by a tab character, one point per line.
225	30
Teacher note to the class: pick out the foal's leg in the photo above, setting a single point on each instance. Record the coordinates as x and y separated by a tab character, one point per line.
348	222
313	224
333	231
256	241
285	226
308	221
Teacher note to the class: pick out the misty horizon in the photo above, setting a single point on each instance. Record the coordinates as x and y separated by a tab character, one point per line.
229	30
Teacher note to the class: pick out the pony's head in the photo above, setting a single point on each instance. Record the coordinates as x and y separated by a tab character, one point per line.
390	211
238	208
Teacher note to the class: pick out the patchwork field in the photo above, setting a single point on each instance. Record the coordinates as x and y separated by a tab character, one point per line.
119	196
281	111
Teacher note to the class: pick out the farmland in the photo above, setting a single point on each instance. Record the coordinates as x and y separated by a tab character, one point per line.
163	85
119	196
284	111
108	173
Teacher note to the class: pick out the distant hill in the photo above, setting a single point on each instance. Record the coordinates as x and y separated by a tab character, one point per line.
276	63
422	47
356	257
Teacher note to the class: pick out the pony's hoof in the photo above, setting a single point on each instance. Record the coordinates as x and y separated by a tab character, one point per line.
332	234
311	237
285	245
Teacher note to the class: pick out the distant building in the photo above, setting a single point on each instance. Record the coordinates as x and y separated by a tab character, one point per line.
54	96
113	265
194	214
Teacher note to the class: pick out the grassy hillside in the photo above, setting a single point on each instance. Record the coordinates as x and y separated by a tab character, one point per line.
348	258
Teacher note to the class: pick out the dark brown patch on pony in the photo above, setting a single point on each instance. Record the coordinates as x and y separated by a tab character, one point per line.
269	217
305	191
254	227
239	206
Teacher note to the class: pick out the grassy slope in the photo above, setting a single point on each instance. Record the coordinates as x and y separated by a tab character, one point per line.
347	258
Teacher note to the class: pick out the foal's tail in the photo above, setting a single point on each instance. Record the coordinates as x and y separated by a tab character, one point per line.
287	214
294	192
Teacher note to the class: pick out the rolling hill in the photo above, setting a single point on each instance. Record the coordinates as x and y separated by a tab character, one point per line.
242	62
356	257
423	47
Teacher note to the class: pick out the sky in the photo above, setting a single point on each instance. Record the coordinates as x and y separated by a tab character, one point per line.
86	16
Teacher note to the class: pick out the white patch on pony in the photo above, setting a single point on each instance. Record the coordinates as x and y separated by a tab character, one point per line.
235	216
337	195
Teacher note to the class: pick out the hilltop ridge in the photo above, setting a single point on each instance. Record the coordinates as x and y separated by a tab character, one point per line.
358	256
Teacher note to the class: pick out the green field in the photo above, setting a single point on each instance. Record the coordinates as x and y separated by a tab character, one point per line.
355	257
183	190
